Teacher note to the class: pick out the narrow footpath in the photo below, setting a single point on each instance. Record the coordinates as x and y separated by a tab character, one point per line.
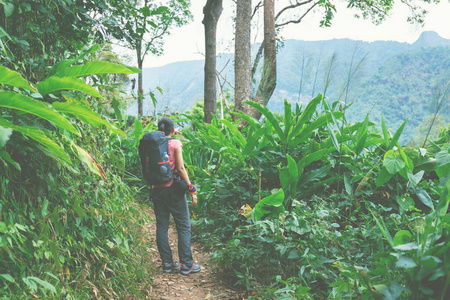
203	285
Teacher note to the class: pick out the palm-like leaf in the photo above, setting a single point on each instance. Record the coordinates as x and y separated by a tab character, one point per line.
29	105
385	132
397	135
85	114
253	141
246	118
93	68
362	136
237	135
307	130
38	136
305	115
13	78
287	118
269	116
56	84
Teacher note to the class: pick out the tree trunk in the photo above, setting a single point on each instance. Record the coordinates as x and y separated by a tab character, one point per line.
242	59
212	11
269	73
140	96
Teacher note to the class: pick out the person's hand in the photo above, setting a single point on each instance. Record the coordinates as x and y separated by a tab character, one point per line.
194	200
176	131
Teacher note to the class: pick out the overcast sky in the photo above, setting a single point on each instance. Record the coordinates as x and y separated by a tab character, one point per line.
187	43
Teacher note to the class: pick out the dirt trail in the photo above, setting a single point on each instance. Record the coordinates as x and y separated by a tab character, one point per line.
203	285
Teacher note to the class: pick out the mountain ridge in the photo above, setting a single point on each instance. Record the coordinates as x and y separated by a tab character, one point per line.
182	82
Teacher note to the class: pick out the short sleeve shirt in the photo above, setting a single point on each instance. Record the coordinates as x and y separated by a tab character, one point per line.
173	145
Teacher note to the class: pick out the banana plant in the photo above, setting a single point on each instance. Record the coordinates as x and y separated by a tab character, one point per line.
26	99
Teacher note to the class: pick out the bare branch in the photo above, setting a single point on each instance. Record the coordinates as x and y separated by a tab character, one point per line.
299	19
221	93
225	65
297	4
256	8
261	47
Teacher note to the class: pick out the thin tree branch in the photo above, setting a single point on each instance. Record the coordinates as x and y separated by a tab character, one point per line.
220	74
221	93
291	7
261	47
299	19
225	66
153	39
256	8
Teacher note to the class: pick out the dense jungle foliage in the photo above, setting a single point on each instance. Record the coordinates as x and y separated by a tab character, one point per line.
70	224
298	205
339	210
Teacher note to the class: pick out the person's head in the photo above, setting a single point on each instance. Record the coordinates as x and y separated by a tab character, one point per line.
166	125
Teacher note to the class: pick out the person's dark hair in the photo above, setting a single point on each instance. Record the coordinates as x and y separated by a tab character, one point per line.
166	125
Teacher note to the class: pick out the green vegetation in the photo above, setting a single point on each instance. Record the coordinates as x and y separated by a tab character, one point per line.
71	218
64	231
339	210
305	203
71	225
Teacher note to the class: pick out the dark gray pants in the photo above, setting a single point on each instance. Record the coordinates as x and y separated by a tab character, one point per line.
165	204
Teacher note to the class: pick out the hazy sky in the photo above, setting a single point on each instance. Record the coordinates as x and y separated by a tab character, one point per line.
187	42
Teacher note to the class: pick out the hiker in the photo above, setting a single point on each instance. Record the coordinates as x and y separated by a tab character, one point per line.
166	201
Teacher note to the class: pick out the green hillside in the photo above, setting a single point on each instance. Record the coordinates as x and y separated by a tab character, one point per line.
403	88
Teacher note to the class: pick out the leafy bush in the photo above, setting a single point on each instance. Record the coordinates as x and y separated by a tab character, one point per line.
69	224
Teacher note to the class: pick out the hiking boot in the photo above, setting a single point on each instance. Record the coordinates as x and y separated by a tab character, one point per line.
169	267
185	270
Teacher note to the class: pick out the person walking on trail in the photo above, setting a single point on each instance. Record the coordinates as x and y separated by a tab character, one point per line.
166	202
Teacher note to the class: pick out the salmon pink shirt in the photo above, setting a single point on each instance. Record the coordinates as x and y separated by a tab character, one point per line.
173	145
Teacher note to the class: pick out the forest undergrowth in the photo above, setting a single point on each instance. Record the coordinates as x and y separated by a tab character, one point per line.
305	205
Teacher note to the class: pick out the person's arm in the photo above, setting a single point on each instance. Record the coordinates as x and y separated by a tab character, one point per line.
182	171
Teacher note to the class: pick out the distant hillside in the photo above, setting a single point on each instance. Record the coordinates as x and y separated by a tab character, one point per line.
395	79
403	88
